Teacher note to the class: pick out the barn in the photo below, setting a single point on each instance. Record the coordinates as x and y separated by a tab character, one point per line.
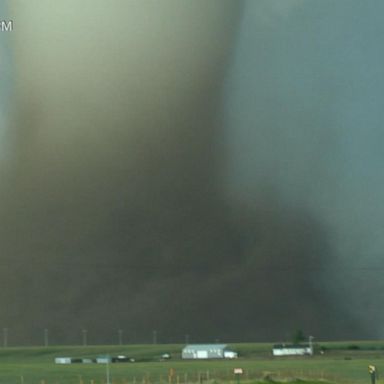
207	351
291	350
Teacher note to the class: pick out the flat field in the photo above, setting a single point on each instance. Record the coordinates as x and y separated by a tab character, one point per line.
343	362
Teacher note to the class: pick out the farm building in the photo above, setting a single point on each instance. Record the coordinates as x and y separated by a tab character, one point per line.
63	360
103	359
207	351
291	350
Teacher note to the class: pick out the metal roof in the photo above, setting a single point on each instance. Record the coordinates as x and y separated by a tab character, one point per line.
205	346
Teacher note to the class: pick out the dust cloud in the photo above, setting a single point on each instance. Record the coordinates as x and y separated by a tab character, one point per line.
181	169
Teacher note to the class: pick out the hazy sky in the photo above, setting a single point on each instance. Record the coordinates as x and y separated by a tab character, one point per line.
6	81
191	167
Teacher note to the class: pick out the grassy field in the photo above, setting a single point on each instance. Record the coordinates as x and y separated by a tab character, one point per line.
345	363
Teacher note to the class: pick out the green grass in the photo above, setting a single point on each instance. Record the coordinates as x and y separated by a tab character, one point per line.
343	362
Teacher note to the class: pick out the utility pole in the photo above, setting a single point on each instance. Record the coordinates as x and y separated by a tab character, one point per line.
187	339
154	336
310	339
120	336
84	331
5	337
46	342
107	371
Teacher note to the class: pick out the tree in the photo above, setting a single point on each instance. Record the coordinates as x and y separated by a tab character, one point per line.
298	336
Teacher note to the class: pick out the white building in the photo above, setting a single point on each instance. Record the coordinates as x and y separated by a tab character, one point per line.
291	350
207	351
63	360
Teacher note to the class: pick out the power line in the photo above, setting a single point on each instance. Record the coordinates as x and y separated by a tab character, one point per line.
177	266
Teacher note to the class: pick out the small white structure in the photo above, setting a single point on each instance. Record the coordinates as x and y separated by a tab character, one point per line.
87	361
63	360
291	350
207	351
230	355
103	359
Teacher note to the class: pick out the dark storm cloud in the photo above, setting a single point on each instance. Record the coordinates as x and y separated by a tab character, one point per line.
304	121
127	205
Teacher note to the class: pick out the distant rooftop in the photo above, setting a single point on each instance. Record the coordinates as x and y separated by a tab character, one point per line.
205	346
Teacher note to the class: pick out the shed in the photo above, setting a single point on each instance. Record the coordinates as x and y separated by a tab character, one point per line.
204	351
291	350
103	359
63	360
